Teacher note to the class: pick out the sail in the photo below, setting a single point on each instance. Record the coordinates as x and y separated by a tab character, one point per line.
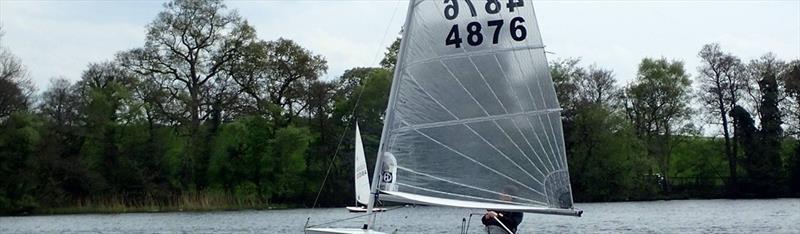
473	120
361	179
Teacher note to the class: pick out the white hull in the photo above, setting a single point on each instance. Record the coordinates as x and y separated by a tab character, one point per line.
341	231
358	209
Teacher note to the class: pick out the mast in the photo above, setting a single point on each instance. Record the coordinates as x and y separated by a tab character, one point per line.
376	173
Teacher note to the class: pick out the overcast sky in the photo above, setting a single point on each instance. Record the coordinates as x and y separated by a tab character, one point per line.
59	38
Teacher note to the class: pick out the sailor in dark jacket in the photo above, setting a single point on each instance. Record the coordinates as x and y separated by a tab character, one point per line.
510	219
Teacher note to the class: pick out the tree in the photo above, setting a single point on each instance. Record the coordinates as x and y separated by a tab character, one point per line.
186	50
768	69
656	104
721	83
755	72
60	104
19	139
791	81
243	162
62	175
565	75
106	106
598	86
390	56
277	73
16	88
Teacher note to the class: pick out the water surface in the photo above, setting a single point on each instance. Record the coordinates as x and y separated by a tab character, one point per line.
684	216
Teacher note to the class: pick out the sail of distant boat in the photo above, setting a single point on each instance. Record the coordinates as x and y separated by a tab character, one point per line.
361	177
473	120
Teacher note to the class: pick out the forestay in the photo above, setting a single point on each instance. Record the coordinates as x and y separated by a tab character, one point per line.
473	120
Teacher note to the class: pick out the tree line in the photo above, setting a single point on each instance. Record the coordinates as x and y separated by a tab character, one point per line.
207	109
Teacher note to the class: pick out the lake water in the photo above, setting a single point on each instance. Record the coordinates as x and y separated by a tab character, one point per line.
684	216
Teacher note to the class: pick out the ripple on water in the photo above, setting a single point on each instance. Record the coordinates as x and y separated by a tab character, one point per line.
685	216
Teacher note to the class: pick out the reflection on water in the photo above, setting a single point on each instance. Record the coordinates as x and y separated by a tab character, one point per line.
687	216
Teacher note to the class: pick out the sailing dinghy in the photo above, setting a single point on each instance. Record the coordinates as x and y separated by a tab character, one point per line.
361	179
472	119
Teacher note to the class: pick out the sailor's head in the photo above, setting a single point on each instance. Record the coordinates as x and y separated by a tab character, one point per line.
508	192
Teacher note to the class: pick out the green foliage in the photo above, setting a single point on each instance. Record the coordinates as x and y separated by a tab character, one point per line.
793	166
19	140
390	57
656	105
287	161
698	167
610	163
247	152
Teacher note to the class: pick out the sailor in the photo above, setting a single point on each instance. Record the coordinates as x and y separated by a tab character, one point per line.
510	220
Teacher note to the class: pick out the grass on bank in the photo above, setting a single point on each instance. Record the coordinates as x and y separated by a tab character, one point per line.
183	202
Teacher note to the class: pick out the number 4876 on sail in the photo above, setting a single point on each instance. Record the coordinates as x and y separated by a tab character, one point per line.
475	30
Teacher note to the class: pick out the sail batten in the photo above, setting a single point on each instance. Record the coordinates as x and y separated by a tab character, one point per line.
473	119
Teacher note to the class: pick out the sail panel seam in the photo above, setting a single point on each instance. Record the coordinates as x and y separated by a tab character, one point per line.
471	53
473	120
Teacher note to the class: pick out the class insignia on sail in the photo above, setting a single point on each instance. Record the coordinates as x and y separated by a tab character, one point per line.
389	169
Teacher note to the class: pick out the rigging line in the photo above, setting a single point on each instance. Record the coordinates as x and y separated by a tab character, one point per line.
354	217
471	197
338	147
386	31
352	113
468	186
426	29
474	132
475	161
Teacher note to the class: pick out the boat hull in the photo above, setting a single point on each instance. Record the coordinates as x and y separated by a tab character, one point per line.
341	231
357	209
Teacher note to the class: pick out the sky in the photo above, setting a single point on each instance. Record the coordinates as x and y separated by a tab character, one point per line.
60	38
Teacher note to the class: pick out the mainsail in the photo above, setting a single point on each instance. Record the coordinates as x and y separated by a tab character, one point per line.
473	120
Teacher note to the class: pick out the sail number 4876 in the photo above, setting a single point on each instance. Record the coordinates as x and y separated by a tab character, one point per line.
475	36
474	31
